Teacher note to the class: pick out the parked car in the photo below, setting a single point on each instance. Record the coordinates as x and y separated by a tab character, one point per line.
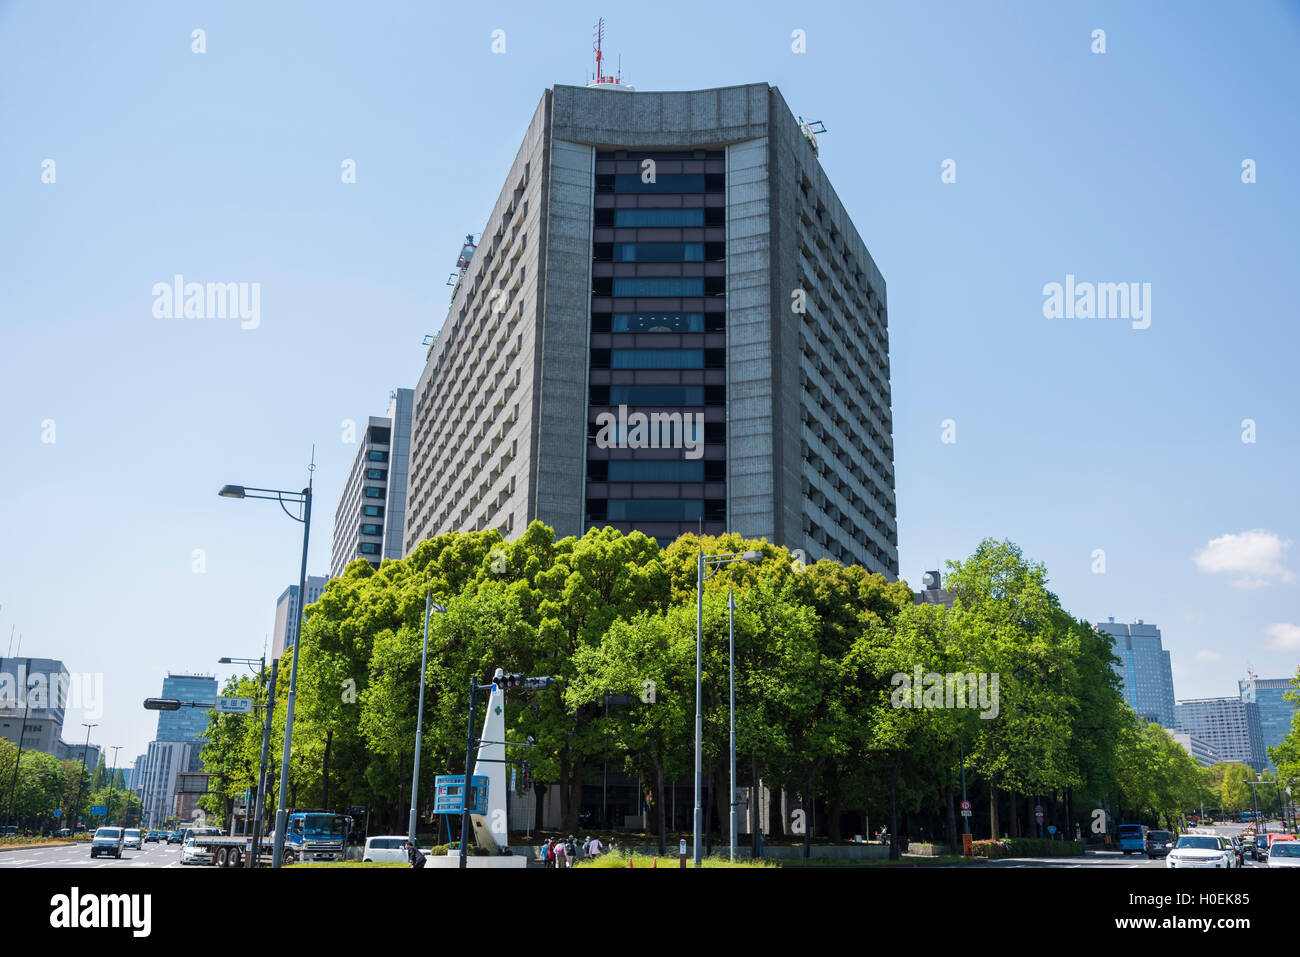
131	838
1201	850
390	847
1159	844
1284	854
107	841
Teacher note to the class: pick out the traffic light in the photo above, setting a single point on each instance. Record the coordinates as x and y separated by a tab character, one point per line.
162	704
503	680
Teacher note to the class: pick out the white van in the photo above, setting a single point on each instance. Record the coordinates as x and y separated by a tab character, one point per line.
390	847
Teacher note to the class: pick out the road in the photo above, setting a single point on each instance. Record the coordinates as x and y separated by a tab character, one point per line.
78	855
1112	859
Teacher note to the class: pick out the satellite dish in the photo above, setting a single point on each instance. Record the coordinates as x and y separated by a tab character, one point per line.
931	581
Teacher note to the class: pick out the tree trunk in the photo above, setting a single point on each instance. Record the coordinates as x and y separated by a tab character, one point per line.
807	817
953	840
894	853
574	790
325	773
993	809
663	835
539	790
1011	813
833	819
776	812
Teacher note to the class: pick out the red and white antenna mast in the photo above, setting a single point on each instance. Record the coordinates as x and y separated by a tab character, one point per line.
600	36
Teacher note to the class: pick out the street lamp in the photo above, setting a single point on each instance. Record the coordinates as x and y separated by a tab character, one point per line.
302	498
430	606
700	579
254	858
76	808
13	787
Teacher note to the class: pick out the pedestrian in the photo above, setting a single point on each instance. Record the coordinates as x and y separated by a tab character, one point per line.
560	862
595	847
548	852
415	855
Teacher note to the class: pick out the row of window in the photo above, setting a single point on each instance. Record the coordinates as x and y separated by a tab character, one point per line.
658	358
665	183
655	509
651	470
661	216
658	396
658	322
658	252
659	286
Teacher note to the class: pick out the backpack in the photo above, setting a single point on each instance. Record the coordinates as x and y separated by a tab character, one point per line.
550	851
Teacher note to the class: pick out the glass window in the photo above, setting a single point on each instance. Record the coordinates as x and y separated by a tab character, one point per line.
662	322
659	286
654	471
659	217
374	511
655	510
369	548
375	456
657	358
371	530
668	395
372	492
379	474
667	183
658	252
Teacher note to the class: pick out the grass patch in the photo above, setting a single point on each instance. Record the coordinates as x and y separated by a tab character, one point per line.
671	862
349	864
14	843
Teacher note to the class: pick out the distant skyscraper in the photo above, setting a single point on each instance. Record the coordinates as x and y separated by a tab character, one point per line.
1274	711
1144	668
1230	726
287	617
1198	749
370	516
186	724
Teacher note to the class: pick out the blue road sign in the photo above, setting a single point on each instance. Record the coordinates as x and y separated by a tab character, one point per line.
99	809
58	812
1051	829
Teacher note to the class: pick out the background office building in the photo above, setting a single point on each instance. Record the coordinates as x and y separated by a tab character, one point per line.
1229	726
34	697
1200	750
370	517
176	745
1144	670
287	616
1275	712
672	254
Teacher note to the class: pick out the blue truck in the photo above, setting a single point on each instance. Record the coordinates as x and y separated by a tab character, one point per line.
309	836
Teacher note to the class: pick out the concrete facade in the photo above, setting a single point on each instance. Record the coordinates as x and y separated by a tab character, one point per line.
370	517
498	435
287	617
1230	726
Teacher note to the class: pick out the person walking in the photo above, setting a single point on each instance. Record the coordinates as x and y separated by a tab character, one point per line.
560	861
548	852
415	855
594	847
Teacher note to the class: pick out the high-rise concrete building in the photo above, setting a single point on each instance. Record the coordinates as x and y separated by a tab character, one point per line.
670	323
1275	712
1145	670
1200	750
177	744
1230	726
35	694
370	517
288	618
186	724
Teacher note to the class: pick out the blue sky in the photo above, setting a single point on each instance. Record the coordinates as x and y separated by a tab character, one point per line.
1072	434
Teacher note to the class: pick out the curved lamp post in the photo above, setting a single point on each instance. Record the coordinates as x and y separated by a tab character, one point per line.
303	499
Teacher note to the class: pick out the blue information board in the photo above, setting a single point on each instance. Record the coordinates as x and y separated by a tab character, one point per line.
449	794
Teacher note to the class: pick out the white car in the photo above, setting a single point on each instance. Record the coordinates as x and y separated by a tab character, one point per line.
1201	850
194	855
1284	854
132	838
388	847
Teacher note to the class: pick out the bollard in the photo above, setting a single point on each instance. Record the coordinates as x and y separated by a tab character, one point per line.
629	863
654	863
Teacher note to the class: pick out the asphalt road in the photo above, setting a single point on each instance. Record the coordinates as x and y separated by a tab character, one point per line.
1111	859
78	855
